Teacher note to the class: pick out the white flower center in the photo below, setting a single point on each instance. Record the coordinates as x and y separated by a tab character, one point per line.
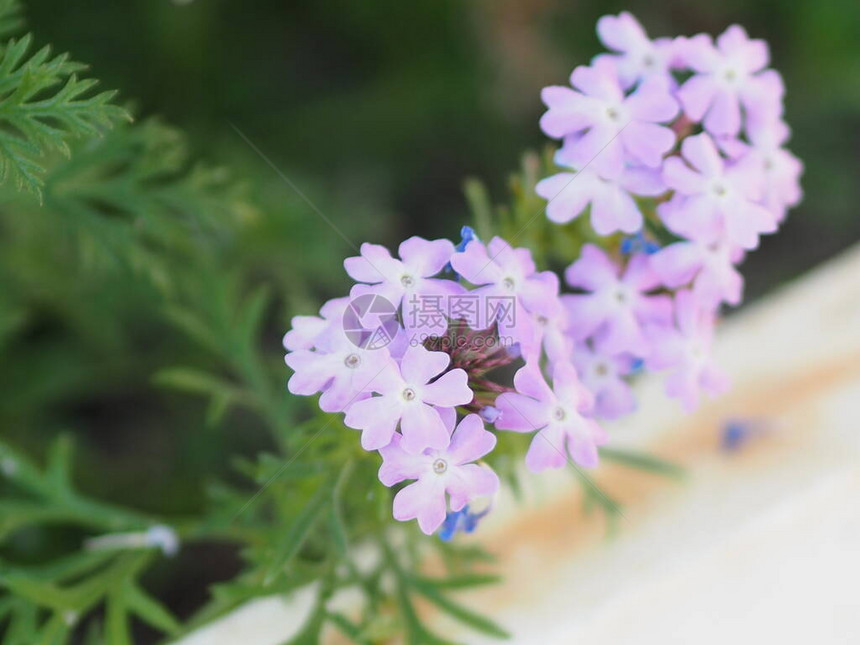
352	361
407	280
559	414
719	189
440	466
408	394
601	369
509	283
622	296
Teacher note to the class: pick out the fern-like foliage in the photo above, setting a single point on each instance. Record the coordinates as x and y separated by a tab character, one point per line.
11	17
44	104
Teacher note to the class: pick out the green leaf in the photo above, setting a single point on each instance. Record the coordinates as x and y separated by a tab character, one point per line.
58	471
461	613
349	629
459	582
298	531
643	461
43	105
11	18
150	610
117	629
222	393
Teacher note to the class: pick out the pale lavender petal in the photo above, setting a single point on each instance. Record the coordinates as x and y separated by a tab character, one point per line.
586	314
569	111
677	264
520	413
373	265
529	381
652	102
470	441
696	96
469	482
547	450
426	258
377	418
304	331
680	177
599	80
615	210
621	32
724	117
398	465
592	270
424	500
422	428
475	265
567	193
450	390
701	152
419	364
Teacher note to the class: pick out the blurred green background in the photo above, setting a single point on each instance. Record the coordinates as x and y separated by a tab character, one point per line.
377	111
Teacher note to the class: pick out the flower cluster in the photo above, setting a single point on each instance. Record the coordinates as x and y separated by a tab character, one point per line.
410	358
678	144
674	147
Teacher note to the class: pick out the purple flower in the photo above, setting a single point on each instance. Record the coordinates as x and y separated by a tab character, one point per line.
449	470
338	368
603	375
618	305
604	125
506	274
727	77
638	57
686	350
709	267
557	414
552	333
714	201
612	205
778	169
409	395
408	280
306	329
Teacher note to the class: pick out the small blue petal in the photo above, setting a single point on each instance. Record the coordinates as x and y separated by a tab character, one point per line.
468	234
735	434
460	521
638	244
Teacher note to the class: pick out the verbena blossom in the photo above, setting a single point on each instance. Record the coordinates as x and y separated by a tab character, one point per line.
778	169
685	349
636	56
305	330
728	77
708	267
501	273
408	279
604	376
618	303
449	471
559	416
612	201
714	199
606	127
410	394
342	371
